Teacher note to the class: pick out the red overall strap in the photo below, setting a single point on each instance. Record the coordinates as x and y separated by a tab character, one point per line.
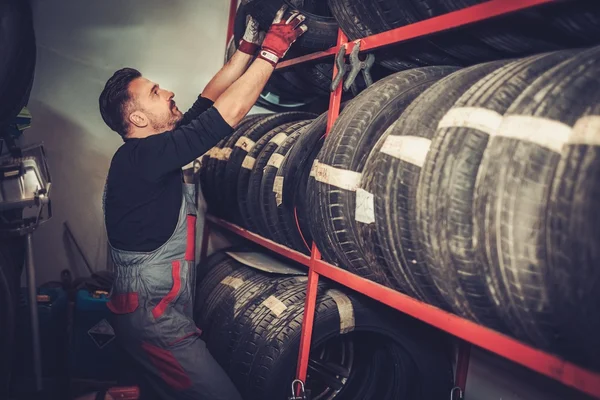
164	303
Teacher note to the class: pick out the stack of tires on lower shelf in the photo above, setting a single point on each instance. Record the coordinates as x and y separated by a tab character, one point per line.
472	189
251	321
549	28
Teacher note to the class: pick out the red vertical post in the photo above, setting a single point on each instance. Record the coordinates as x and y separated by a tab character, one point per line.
335	100
309	316
462	365
232	11
313	276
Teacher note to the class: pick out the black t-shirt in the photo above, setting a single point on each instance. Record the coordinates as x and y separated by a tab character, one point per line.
144	184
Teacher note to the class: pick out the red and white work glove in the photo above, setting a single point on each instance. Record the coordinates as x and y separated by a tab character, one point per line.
281	35
253	37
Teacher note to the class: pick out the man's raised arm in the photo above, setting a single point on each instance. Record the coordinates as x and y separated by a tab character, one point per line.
172	150
239	98
238	63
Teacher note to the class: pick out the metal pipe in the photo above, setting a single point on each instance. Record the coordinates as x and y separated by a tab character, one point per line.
33	312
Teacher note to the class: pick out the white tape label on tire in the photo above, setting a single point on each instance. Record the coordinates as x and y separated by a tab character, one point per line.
541	131
365	207
313	170
275	305
245	143
278	190
248	162
224	154
275	160
586	131
483	120
340	178
345	309
232	282
279	138
212	152
412	149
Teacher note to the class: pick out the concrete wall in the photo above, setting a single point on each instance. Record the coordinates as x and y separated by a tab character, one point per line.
180	44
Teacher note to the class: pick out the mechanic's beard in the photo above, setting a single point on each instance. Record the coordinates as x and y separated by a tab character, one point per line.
165	123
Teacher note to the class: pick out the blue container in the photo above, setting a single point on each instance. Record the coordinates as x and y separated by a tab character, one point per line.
94	350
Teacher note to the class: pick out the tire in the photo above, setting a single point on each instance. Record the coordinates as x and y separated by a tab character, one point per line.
223	332
18	55
392	177
359	19
572	240
346	148
248	164
230	172
255	179
263	358
220	165
220	271
322	29
209	164
446	189
222	291
268	199
511	236
294	174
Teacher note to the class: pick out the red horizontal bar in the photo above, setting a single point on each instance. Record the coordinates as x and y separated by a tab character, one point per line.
455	19
546	364
309	57
269	244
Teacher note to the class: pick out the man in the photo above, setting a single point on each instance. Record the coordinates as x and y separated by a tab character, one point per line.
150	213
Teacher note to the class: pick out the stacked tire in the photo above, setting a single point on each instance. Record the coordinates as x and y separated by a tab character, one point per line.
474	194
551	28
18	55
251	322
257	177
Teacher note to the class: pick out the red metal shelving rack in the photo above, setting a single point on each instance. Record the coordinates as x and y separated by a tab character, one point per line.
469	332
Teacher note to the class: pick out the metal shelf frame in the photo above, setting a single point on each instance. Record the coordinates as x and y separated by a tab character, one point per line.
468	332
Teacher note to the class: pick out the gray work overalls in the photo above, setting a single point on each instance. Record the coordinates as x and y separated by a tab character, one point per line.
152	305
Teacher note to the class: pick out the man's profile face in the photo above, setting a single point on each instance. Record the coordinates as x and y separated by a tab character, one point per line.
156	103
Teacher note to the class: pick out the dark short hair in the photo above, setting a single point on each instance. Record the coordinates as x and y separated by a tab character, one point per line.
115	98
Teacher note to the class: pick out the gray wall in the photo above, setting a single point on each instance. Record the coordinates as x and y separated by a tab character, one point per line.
180	44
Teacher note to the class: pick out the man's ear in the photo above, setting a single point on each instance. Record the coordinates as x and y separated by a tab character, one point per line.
138	119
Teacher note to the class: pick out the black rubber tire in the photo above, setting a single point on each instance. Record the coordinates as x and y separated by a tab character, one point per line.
295	171
243	182
12	257
511	236
263	358
213	278
222	292
577	19
446	192
222	330
268	201
255	179
220	165
572	240
393	181
230	173
359	19
347	146
208	167
322	29
18	55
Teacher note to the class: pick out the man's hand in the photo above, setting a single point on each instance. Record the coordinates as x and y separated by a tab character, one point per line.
281	35
253	37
